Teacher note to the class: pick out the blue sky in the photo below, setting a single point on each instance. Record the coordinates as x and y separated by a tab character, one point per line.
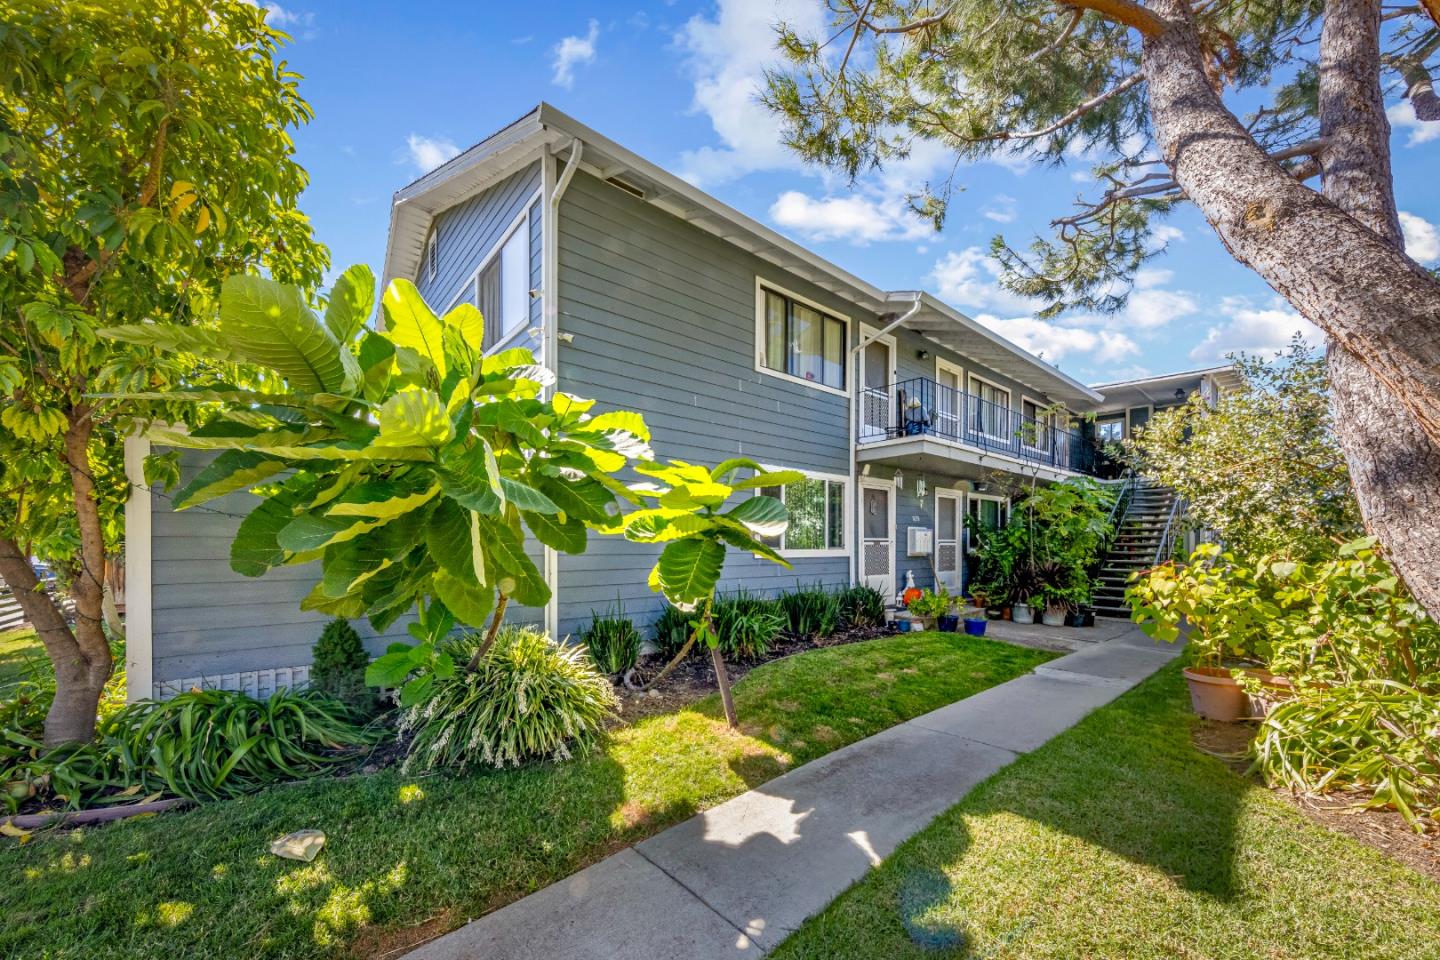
397	87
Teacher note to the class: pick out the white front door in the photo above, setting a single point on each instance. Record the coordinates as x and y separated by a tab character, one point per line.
877	387
949	515
877	536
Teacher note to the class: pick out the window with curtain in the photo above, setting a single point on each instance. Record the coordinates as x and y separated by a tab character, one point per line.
992	412
802	342
817	514
502	290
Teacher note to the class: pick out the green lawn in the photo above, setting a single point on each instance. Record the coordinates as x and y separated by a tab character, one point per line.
21	653
412	857
1119	840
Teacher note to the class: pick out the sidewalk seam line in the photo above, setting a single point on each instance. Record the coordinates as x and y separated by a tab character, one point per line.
706	903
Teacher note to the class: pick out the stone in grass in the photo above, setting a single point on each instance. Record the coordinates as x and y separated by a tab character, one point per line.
920	893
300	845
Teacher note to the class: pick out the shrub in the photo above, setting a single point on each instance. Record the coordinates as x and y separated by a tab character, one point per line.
861	606
746	625
931	604
212	744
339	666
613	642
529	699
1377	734
672	629
811	612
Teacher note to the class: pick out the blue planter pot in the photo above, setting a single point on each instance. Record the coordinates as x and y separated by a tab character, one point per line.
949	624
975	626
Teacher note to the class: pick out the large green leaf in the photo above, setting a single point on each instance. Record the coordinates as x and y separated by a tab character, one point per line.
654	526
526	497
763	515
269	324
414	417
173	338
309	532
773	478
447	537
465	478
381	499
351	301
514	572
256	546
586	499
232	470
469	601
738	536
563	533
688	570
624	420
409	322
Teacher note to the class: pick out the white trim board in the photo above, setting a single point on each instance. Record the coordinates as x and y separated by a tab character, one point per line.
139	580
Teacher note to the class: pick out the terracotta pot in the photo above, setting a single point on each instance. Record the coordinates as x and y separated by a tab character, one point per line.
1274	690
1216	695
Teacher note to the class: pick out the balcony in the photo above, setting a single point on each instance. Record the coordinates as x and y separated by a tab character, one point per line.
909	414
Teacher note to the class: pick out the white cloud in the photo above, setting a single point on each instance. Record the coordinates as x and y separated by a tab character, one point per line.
1255	330
572	52
1055	341
1402	116
1001	209
856	218
971	278
727	57
1164	235
427	153
1151	309
1422	240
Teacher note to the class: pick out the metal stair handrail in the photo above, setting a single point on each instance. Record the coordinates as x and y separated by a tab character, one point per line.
1167	536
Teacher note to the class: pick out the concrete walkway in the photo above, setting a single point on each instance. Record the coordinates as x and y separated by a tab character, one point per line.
737	879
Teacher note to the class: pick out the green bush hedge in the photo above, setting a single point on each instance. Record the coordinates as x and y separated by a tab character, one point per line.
613	641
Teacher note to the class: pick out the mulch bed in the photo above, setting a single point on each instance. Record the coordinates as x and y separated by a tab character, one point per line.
1385	830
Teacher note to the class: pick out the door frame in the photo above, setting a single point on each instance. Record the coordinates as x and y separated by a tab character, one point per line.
869	335
949	366
958	496
876	483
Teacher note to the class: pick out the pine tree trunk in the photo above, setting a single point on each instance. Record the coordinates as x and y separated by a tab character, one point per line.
1394	465
1338	263
1369	297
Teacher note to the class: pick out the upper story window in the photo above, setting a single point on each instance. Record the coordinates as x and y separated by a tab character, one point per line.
1110	431
502	288
795	339
431	267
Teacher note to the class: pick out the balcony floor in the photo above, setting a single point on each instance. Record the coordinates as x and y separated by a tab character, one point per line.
939	455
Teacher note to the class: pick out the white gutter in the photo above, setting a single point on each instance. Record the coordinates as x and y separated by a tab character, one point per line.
897	322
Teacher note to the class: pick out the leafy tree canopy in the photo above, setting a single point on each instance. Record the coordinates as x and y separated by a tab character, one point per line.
1261	467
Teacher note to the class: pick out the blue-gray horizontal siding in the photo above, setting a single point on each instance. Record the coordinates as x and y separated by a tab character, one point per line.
208	619
662	316
469	230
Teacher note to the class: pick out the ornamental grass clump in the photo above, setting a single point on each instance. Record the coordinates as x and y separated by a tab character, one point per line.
529	698
747	624
862	606
812	612
613	642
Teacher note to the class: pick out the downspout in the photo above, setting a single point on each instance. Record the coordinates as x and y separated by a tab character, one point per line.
553	190
856	547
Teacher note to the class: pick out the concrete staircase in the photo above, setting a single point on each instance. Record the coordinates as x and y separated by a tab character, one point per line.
1141	531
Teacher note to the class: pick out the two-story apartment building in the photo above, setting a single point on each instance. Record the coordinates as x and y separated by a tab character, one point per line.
645	293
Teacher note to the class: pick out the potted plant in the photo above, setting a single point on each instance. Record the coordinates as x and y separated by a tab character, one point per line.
930	606
1228	616
1025	586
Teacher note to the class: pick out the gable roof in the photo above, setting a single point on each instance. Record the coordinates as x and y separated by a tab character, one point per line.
546	131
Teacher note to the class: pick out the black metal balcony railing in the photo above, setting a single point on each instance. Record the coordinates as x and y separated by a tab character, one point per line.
922	407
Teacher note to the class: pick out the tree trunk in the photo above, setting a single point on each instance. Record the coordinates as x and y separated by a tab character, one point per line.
84	665
722	680
1381	310
1394	465
1363	292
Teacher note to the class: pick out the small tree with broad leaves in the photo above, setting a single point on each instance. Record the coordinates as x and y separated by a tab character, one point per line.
412	466
685	514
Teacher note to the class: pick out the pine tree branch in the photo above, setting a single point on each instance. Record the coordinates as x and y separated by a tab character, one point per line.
1076	114
1133	14
1076	15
